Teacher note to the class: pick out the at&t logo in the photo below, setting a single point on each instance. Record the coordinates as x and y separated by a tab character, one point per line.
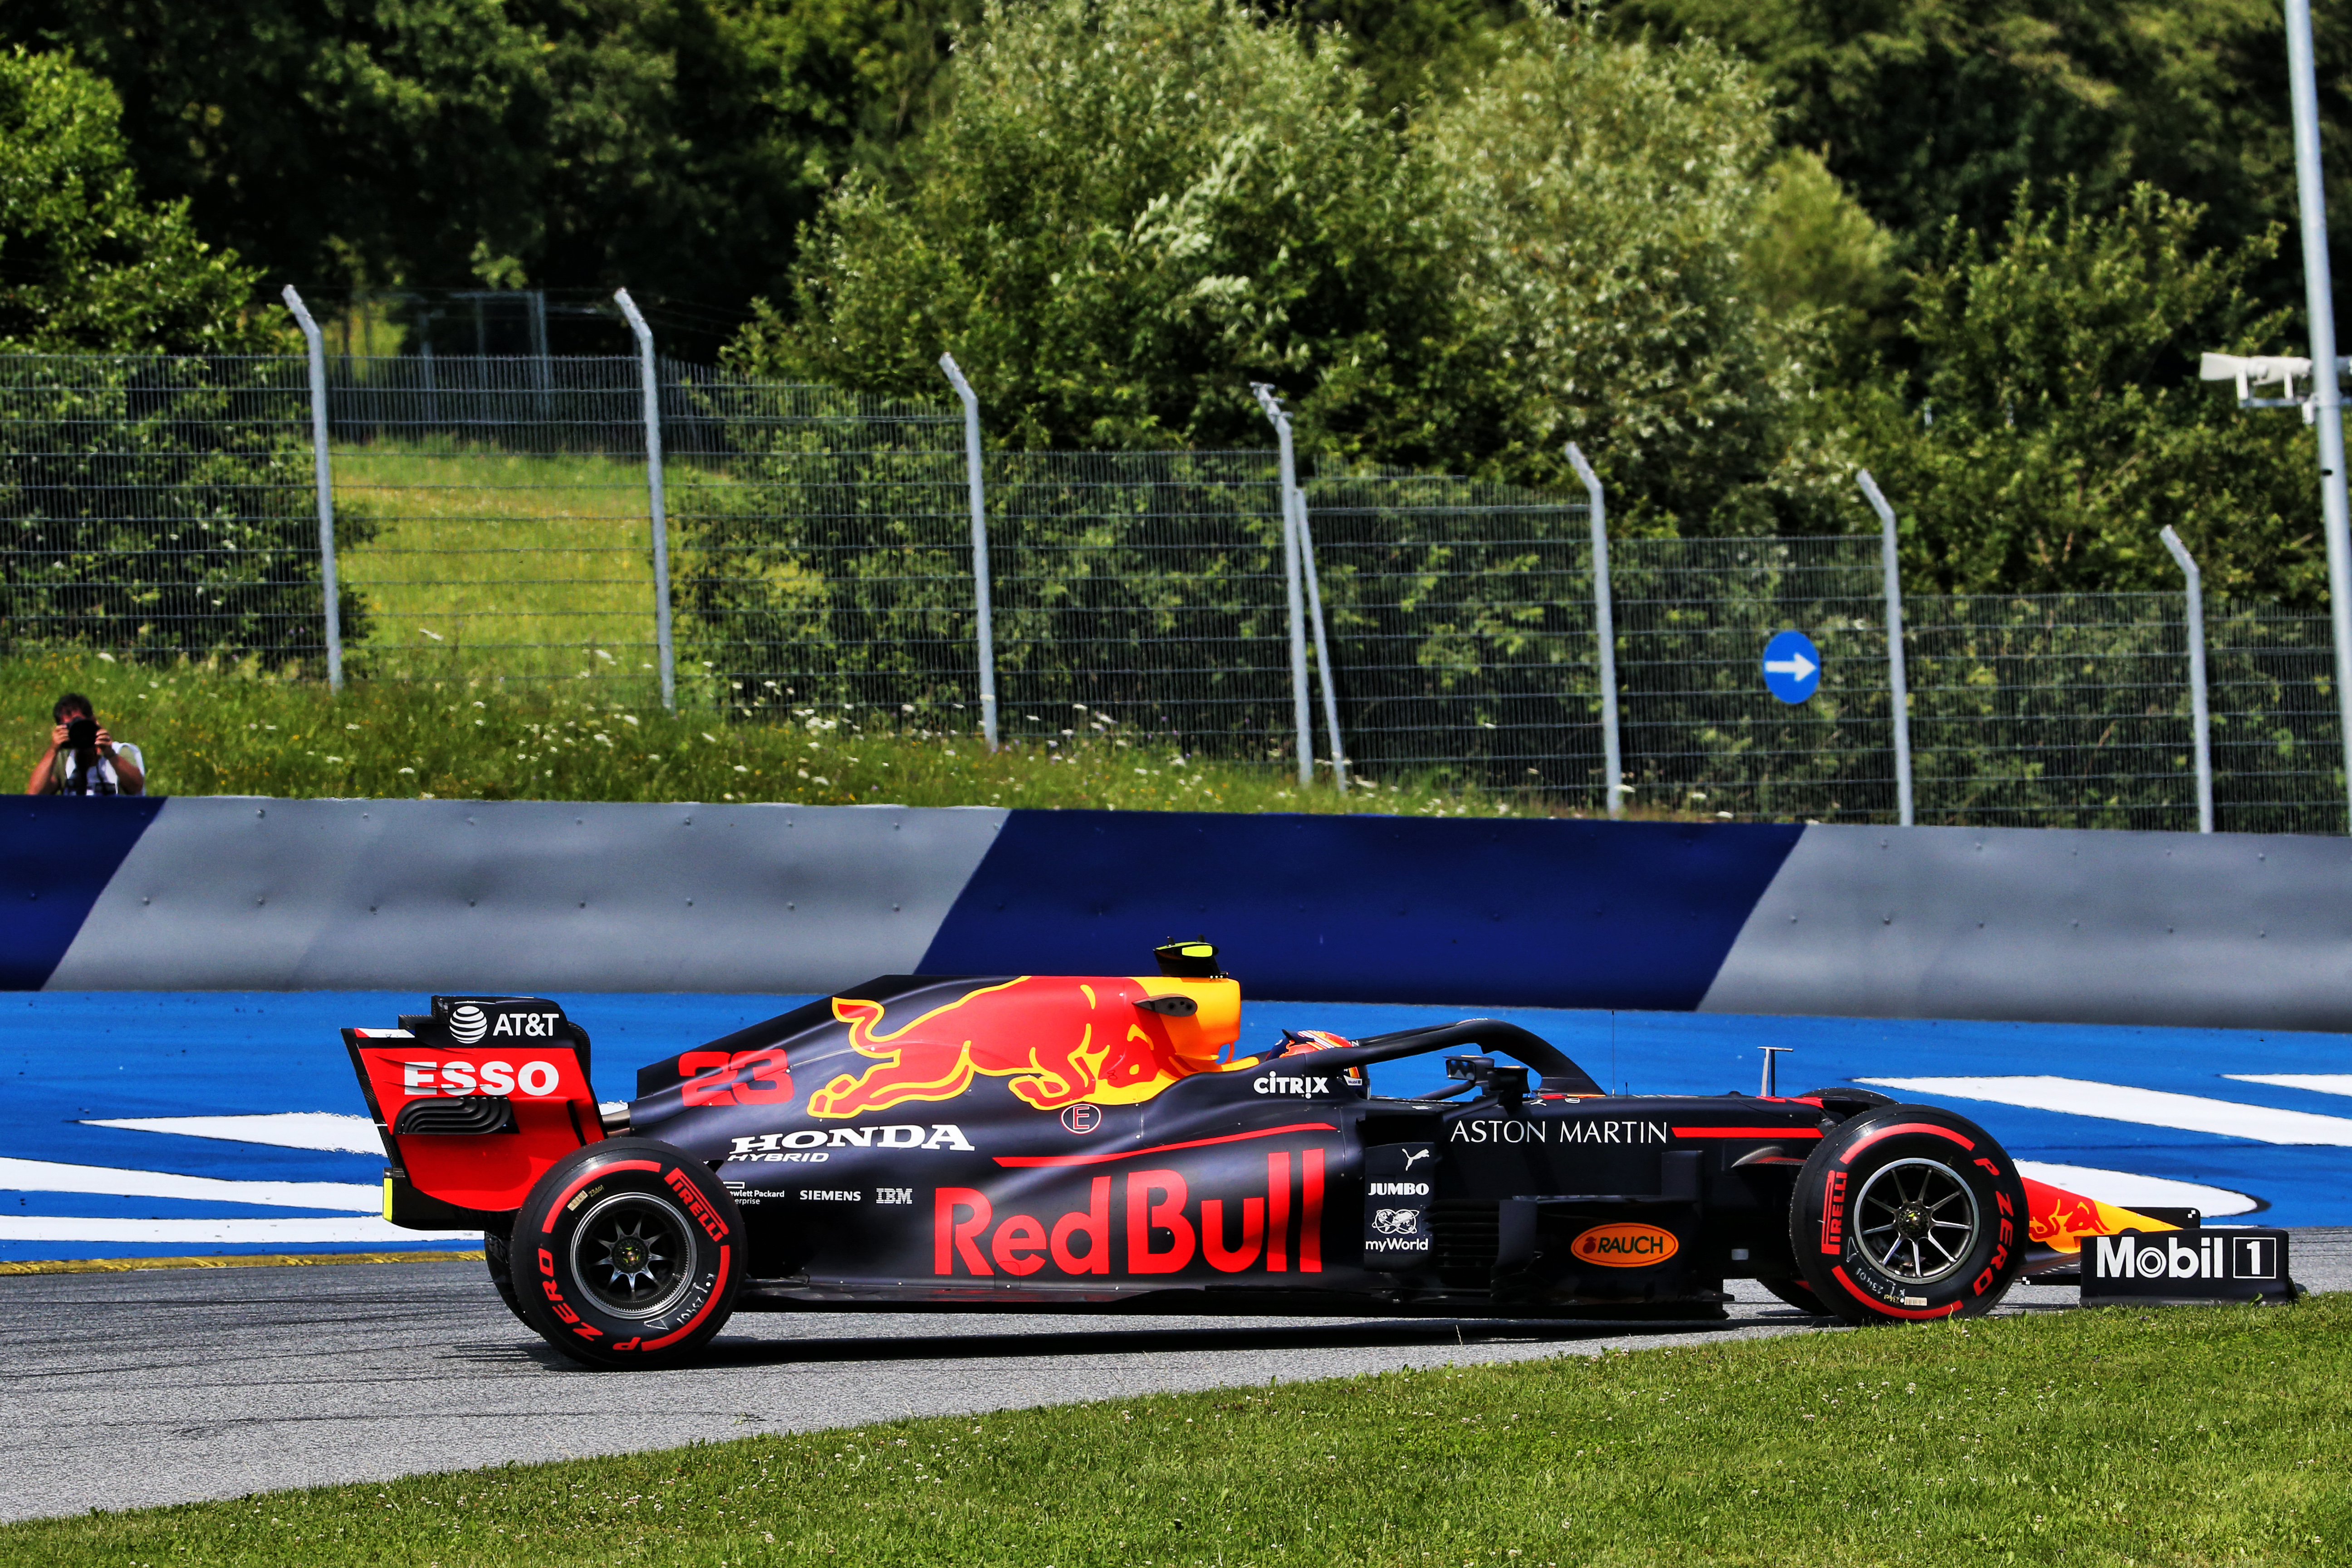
469	1024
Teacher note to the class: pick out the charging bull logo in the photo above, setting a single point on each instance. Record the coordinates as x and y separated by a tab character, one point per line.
2061	1220
1059	1040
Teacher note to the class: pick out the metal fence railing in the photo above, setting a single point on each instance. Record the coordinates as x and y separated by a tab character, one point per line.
491	514
493	521
2278	736
821	555
1701	732
162	505
2068	710
1144	589
1462	627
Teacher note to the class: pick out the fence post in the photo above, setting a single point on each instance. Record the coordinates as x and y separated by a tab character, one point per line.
1304	724
2325	407
1900	700
323	481
1605	627
1322	649
2199	715
654	493
980	597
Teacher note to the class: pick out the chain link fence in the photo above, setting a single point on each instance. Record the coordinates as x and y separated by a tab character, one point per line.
493	523
1145	590
162	508
1701	732
2066	710
491	515
821	552
2278	736
1461	620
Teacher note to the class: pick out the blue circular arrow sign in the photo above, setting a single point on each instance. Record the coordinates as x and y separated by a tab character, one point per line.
1793	667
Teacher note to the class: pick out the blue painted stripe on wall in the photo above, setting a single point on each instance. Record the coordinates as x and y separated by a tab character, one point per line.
56	856
1376	909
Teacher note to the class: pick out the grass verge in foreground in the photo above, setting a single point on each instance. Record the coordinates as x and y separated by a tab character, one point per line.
2177	1435
206	731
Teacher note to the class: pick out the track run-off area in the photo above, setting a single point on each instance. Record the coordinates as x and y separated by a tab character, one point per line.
171	1125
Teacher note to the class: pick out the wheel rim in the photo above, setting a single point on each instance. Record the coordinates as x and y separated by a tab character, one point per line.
1916	1220
634	1254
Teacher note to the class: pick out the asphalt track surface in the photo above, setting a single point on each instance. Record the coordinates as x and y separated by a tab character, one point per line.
176	1385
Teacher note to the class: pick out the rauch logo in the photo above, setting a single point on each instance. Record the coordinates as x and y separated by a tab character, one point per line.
1624	1246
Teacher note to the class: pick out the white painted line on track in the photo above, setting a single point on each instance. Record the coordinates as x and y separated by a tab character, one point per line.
2128	1189
2318	1082
221	1232
2149	1107
322	1129
51	1176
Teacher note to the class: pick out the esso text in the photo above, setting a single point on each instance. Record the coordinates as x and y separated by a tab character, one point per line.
538	1079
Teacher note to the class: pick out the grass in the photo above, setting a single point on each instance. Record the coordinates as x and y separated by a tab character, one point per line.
2169	1437
206	730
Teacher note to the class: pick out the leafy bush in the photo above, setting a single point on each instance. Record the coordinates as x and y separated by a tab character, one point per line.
162	505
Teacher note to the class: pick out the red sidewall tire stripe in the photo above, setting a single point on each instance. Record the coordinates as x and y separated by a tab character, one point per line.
578	1328
1892	1128
596	1173
1825	1176
1880	1308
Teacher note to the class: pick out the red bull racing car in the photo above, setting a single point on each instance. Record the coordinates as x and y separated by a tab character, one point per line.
1041	1142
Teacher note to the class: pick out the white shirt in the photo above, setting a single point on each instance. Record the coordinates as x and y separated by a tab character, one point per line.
101	778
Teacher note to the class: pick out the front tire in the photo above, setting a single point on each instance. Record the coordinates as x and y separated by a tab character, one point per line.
1909	1213
627	1253
1797	1293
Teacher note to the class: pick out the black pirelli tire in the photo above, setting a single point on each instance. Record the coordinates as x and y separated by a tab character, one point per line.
627	1253
495	1255
1909	1213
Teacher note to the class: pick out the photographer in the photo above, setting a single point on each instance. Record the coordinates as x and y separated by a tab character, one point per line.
83	759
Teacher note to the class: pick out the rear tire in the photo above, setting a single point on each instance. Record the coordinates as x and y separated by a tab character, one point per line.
1908	1211
629	1254
495	1253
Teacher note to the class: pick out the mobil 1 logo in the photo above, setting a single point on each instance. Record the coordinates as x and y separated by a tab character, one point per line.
1399	1181
2191	1265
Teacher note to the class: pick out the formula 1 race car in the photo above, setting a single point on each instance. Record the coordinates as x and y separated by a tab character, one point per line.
1045	1141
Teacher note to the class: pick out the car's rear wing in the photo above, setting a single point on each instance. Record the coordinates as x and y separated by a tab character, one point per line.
474	1101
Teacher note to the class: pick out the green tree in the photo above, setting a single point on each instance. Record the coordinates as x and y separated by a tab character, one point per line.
84	262
673	144
1133	208
1814	248
1599	203
1935	109
1407	49
2056	423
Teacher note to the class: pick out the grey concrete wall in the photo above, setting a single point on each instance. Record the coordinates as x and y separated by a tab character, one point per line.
229	893
2033	925
2225	930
